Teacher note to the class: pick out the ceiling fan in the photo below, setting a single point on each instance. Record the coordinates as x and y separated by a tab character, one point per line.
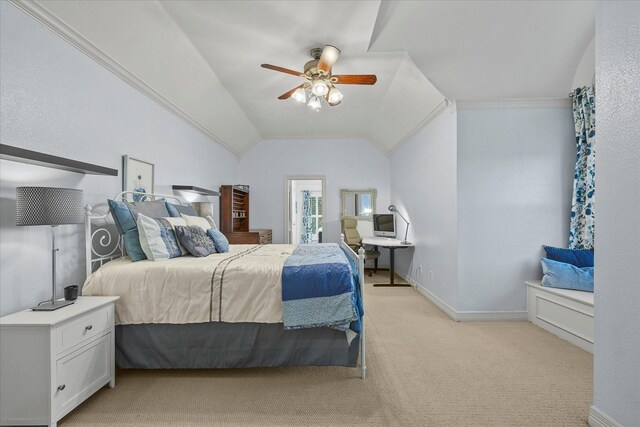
320	82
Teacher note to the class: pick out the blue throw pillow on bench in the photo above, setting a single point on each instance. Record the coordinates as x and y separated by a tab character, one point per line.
566	276
578	257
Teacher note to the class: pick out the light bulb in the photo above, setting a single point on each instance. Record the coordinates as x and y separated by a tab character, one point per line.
299	95
314	103
334	97
319	87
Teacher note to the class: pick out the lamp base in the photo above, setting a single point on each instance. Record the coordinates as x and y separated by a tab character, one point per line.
48	306
405	242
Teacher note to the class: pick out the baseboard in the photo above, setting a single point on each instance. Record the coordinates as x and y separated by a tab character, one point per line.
446	308
467	316
492	316
597	418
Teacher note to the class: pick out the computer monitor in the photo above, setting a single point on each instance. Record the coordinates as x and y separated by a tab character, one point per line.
384	225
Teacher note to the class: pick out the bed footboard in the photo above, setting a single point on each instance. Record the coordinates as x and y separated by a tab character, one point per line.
358	259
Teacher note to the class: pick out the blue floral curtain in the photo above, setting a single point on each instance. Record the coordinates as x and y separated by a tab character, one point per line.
582	228
307	229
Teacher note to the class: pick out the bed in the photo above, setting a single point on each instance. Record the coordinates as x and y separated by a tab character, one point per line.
255	306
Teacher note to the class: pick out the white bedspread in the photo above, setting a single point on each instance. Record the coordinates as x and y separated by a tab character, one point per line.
243	285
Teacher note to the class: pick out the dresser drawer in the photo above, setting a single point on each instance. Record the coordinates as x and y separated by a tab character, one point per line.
83	328
80	374
265	238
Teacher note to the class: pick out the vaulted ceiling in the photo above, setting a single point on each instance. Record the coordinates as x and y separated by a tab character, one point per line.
201	59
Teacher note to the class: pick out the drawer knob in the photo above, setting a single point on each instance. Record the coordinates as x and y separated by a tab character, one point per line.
61	387
88	328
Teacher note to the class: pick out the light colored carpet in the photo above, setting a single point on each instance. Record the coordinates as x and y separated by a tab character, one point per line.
423	370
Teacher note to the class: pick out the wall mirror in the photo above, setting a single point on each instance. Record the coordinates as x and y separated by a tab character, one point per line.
360	204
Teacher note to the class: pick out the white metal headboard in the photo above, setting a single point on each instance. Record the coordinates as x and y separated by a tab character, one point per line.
102	240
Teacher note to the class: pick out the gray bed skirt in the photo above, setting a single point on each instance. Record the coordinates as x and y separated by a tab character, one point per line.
231	345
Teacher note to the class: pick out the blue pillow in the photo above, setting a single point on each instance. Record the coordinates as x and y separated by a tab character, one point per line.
578	257
195	240
566	276
219	239
176	210
128	229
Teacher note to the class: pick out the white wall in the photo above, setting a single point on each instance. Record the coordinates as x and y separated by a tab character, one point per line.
586	69
423	187
617	270
515	181
346	163
484	189
56	100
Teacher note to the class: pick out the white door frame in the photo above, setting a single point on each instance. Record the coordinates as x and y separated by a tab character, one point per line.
287	201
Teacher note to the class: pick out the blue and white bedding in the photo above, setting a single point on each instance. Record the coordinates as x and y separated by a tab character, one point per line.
299	286
319	289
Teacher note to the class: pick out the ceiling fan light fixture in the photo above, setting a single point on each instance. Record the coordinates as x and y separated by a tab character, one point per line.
315	104
334	97
300	95
319	87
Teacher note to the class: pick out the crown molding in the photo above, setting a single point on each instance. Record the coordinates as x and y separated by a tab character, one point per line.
514	103
60	28
442	106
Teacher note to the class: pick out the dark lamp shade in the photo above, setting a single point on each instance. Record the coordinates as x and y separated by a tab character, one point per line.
48	206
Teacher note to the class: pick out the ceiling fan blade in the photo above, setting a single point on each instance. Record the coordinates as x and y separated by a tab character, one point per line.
329	57
355	79
286	95
282	70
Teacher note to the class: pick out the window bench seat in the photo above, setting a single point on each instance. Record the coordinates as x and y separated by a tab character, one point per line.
565	313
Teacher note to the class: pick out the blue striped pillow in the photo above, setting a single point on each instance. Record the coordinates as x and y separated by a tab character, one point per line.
157	238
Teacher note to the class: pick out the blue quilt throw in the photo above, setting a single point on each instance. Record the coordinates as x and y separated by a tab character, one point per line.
319	289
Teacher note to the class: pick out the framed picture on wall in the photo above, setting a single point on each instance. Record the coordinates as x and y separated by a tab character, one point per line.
137	176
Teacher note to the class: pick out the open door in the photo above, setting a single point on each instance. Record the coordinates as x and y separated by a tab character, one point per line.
304	209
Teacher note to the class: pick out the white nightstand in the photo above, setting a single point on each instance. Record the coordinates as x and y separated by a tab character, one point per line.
50	362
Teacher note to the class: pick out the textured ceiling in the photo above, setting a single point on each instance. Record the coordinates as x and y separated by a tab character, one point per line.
202	58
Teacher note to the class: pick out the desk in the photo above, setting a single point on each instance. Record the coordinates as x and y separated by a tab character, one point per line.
391	244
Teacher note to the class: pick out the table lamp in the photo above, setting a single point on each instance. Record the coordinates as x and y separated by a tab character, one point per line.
49	206
393	209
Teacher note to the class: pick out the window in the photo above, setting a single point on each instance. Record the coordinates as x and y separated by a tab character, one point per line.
316	214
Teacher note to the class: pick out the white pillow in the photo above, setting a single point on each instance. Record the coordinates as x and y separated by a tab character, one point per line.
198	221
212	223
154	245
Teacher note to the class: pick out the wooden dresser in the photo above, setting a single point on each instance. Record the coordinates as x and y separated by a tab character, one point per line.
234	217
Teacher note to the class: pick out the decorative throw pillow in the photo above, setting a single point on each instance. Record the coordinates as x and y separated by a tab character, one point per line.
154	209
177	222
578	257
195	240
157	238
219	239
176	210
566	276
128	229
197	221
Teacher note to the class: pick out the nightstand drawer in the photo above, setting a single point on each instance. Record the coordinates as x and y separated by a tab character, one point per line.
80	374
83	328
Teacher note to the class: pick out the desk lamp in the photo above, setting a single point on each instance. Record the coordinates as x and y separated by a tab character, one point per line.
49	206
393	209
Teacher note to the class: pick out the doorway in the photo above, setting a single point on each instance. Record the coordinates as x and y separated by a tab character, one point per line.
304	209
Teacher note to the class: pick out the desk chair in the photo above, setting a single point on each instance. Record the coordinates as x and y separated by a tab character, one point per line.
353	239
